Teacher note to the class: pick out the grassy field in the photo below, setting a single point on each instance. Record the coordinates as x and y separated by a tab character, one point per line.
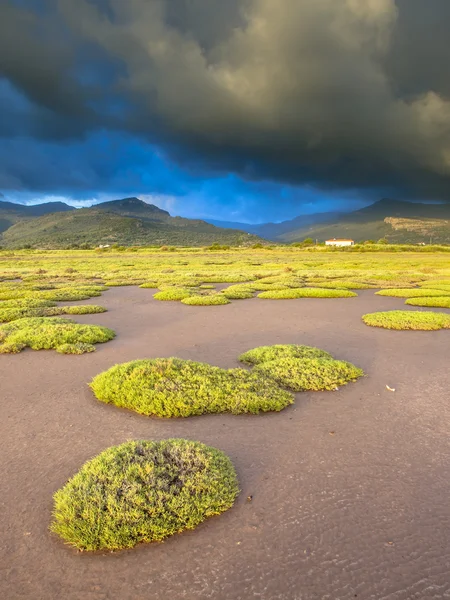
63	275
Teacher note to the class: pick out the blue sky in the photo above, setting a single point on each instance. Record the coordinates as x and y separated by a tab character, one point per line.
237	111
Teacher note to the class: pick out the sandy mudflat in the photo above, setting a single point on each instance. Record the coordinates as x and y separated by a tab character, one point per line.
363	512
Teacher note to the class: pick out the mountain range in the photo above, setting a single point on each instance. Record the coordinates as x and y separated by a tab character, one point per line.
128	222
131	221
394	220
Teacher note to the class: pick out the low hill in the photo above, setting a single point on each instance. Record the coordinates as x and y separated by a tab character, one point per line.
118	224
383	220
11	213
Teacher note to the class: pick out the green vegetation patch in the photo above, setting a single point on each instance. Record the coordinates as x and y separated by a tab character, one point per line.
42	333
149	285
210	300
44	310
309	374
412	293
408	319
262	354
239	292
171	387
290	294
437	302
143	491
173	294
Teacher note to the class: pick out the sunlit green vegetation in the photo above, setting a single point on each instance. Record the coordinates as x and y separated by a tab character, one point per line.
173	294
413	293
47	333
301	368
306	293
171	387
207	300
143	491
281	271
403	320
12	310
437	301
262	354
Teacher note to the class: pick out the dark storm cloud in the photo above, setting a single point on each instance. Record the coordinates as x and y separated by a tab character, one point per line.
333	93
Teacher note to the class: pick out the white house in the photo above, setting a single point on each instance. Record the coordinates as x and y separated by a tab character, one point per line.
339	242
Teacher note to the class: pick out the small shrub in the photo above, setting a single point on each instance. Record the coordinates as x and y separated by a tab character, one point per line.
47	333
171	387
212	300
143	491
309	374
412	293
262	354
173	294
437	302
408	319
291	294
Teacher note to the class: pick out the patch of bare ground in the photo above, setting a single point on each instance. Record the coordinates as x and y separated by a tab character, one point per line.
344	494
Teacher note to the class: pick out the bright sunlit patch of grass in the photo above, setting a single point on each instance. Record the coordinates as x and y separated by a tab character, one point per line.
171	387
49	333
408	319
209	300
412	293
290	294
437	301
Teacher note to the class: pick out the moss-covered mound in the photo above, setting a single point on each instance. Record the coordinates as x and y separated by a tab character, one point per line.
309	374
208	300
43	333
173	294
171	387
262	354
437	301
143	491
290	294
412	293
408	319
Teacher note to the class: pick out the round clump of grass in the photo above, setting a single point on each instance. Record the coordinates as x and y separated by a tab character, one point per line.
435	302
262	354
173	294
309	374
143	491
290	294
45	333
412	293
408	319
172	387
211	300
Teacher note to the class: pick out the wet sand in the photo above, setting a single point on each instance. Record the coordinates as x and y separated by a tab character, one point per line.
350	488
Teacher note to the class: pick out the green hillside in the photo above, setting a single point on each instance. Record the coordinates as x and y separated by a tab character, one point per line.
95	226
397	222
11	213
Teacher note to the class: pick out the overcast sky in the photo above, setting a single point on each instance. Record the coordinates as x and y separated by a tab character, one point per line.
240	109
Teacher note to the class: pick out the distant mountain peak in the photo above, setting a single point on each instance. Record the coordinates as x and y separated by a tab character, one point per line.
132	205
